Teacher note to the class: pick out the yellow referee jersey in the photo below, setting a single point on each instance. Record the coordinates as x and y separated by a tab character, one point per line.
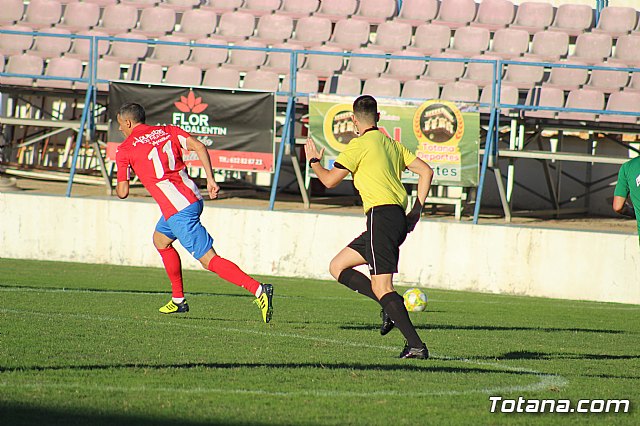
376	162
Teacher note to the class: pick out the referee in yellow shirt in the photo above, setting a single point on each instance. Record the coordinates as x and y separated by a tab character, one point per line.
376	163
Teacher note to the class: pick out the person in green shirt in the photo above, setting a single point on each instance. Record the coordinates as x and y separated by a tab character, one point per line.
376	162
628	187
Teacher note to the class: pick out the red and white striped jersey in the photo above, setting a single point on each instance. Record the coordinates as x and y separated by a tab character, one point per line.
155	155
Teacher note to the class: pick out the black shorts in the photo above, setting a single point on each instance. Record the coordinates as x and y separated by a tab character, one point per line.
380	243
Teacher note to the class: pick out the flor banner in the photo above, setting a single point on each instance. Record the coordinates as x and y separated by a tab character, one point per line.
444	134
237	126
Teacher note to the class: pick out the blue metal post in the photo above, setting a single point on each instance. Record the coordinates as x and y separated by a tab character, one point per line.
287	129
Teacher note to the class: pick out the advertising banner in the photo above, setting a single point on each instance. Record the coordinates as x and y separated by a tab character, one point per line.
444	134
237	126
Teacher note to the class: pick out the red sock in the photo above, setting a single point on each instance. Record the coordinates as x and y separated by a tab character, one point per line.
229	271
172	265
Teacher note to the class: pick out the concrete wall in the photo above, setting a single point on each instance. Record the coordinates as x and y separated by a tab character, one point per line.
457	256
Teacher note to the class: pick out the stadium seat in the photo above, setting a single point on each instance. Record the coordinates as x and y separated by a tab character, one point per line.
246	60
459	91
375	11
311	31
127	52
11	11
42	13
420	89
549	46
280	62
405	69
391	36
106	70
509	43
456	13
382	86
494	14
146	72
347	85
584	99
431	39
299	8
236	26
444	71
533	16
2	60
350	34
118	18
22	64
336	10
197	24
13	44
274	28
523	76
417	12
573	19
628	50
61	67
155	22
207	57
469	41
550	97
169	54
592	48
622	101
324	65
102	3
221	77
261	7
222	6
81	47
182	74
480	73
261	80
364	67
608	81
567	78
51	47
140	4
181	5
508	95
616	21
80	16
305	83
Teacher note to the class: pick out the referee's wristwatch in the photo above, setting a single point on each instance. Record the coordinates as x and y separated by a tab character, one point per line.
313	160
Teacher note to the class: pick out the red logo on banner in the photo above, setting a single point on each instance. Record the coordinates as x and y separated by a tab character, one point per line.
191	104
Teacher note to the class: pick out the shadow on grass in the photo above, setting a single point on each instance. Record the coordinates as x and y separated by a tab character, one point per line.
489	328
425	367
562	355
21	415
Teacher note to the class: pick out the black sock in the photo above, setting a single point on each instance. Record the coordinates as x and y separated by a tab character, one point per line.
393	305
357	281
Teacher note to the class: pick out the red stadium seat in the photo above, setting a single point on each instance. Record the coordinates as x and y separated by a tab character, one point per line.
469	41
550	97
127	52
628	50
494	14
617	21
592	48
336	10
460	91
420	89
382	86
146	72
584	99
261	80
42	13
106	70
169	54
22	64
11	11
392	36
508	95
444	71
156	21
549	46
364	67
431	39
375	11
417	12
405	69
622	101
509	43
80	16
221	77
573	19
61	67
247	60
280	62
274	28
182	74
311	31
350	34
567	78
533	16
299	8
523	76
347	85
207	57
81	47
480	73
261	7
456	13
197	23
236	26
12	44
118	18
608	81
51	47
324	65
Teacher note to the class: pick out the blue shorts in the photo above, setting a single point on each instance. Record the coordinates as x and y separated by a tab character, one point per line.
185	226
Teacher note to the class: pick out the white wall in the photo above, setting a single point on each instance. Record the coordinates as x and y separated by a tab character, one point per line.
458	256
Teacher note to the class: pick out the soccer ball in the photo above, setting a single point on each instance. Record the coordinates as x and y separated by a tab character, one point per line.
415	300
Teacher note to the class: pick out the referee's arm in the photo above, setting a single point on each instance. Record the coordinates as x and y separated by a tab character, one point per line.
329	178
425	173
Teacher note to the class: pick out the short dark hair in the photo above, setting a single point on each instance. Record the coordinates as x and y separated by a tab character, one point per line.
132	111
366	107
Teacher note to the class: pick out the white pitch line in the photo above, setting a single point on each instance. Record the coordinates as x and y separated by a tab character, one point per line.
546	380
566	304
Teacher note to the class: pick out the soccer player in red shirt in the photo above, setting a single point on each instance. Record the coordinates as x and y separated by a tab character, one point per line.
155	155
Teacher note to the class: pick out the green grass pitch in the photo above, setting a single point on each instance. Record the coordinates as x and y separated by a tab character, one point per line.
85	344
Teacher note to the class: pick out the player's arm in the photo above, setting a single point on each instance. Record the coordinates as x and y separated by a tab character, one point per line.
122	189
329	178
623	206
425	176
198	147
